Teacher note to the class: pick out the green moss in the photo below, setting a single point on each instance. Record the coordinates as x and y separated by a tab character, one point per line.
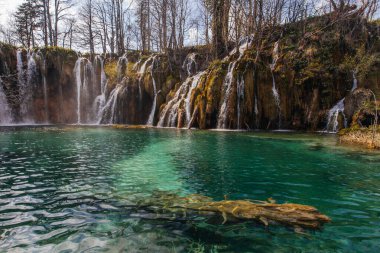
130	70
110	68
64	52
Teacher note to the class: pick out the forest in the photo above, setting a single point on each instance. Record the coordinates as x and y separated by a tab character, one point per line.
115	26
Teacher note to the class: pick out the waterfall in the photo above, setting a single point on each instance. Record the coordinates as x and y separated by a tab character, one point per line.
100	100
274	89
153	111
20	69
256	112
243	45
141	73
193	85
22	85
169	115
109	112
78	80
190	65
84	77
5	112
354	82
228	87
26	87
334	112
240	97
333	115
46	105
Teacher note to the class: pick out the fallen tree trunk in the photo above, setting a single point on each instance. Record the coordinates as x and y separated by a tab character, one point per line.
294	215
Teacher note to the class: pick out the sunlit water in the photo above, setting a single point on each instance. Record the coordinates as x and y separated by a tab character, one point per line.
75	189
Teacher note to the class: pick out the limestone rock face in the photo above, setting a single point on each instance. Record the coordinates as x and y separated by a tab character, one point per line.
291	82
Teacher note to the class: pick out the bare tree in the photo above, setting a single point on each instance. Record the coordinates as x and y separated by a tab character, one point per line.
61	8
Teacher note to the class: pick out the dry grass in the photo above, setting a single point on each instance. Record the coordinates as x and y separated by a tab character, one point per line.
363	137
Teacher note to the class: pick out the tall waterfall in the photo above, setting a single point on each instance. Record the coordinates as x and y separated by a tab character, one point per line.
193	85
20	69
141	73
109	112
5	111
354	82
228	87
78	80
274	89
153	111
256	111
27	85
85	82
244	44
46	104
43	70
333	116
23	87
181	101
100	100
240	98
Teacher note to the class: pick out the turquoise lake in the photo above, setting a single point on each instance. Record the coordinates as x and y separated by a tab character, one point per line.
77	189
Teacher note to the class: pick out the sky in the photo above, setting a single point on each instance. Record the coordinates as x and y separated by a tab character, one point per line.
7	7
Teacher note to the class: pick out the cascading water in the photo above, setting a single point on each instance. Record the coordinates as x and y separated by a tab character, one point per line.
22	85
84	77
100	100
141	73
5	111
333	124
228	87
244	44
190	65
109	112
43	70
193	85
153	111
26	87
333	116
169	115
240	98
274	89
256	111
20	69
354	82
78	80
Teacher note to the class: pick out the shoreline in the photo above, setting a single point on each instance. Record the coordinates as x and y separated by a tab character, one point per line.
363	137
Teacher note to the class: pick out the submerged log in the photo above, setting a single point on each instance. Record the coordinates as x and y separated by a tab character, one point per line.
294	215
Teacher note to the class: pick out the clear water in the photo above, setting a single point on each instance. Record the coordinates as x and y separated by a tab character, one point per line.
75	189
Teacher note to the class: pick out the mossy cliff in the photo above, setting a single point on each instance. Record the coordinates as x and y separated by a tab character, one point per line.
313	72
53	68
289	80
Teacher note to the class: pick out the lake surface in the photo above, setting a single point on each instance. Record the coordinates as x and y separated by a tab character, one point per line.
77	189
